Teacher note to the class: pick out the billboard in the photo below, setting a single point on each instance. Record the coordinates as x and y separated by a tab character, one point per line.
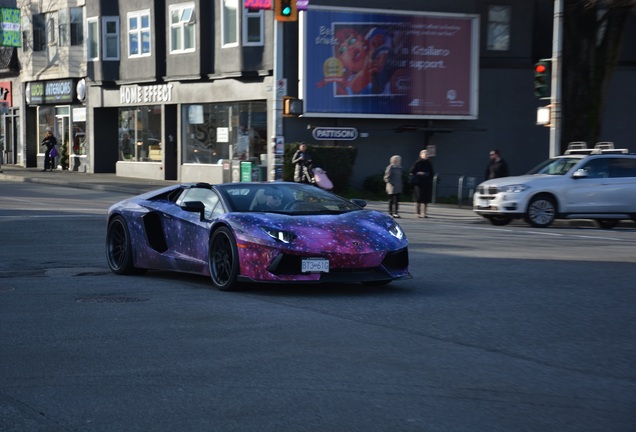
389	64
10	27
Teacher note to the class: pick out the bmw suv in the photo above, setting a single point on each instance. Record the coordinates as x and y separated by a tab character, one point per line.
598	184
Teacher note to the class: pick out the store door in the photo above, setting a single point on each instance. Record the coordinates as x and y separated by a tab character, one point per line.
63	135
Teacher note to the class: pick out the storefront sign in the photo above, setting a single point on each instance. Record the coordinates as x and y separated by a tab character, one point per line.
5	93
134	94
51	92
325	133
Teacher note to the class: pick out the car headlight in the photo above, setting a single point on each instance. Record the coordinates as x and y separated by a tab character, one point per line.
280	235
514	188
396	231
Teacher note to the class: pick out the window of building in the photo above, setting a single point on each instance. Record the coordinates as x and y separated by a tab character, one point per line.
225	130
229	22
139	34
182	28
92	45
498	38
39	32
77	26
110	37
50	27
64	31
253	28
139	134
70	27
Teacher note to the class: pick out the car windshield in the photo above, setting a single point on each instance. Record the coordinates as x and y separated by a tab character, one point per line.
286	198
558	166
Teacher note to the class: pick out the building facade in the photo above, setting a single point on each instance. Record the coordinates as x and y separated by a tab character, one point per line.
192	90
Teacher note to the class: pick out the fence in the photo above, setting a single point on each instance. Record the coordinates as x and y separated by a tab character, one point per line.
454	188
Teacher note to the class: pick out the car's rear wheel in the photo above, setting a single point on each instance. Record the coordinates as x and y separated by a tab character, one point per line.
223	260
541	211
118	247
499	220
607	223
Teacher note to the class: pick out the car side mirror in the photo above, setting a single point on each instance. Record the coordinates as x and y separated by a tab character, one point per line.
359	202
194	207
580	173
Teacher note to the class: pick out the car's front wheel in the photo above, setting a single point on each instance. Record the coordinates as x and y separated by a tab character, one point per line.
499	220
607	223
223	260
118	247
541	211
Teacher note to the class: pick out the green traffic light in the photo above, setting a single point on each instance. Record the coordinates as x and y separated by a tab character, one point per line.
286	11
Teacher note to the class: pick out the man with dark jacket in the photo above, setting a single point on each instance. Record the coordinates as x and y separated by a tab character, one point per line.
497	166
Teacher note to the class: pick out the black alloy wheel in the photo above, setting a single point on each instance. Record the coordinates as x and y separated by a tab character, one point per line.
118	247
223	260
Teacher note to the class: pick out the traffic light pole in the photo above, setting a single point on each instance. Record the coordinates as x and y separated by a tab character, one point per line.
276	159
555	98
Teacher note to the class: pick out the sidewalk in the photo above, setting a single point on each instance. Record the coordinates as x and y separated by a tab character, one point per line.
135	186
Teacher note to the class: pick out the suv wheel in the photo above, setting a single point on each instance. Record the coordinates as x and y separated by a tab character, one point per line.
607	223
498	220
541	211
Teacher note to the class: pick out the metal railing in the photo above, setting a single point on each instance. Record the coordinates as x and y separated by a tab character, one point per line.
456	186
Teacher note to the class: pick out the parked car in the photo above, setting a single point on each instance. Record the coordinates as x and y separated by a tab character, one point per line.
598	184
256	232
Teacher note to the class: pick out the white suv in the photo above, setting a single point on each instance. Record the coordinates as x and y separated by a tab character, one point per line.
599	185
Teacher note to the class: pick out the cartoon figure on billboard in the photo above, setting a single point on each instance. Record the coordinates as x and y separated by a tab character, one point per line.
363	61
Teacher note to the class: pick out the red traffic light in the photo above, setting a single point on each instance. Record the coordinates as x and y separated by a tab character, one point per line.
540	68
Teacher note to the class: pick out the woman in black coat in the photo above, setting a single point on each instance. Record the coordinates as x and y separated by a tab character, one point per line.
422	179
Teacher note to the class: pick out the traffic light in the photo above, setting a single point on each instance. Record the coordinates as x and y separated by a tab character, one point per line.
285	10
543	79
292	107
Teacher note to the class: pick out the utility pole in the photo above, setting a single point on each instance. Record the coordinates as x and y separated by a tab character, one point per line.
555	99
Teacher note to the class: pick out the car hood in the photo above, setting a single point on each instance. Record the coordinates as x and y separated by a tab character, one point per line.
364	227
523	179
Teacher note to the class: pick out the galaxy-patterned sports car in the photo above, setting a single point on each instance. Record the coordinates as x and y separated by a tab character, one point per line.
241	233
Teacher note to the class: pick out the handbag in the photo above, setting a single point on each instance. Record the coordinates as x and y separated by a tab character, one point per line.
53	153
413	179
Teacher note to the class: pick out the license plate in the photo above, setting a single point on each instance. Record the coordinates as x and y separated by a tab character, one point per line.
483	204
315	265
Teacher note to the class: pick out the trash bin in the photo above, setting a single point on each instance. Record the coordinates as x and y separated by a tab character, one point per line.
246	171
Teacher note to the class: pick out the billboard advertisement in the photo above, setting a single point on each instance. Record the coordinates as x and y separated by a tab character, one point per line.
10	27
387	64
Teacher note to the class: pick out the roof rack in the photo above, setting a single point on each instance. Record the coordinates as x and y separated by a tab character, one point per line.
580	147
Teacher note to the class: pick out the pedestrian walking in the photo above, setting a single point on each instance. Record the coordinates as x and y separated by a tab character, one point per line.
421	175
302	165
497	166
50	153
393	180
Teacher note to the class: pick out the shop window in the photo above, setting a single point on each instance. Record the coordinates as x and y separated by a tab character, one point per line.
212	132
139	34
140	134
253	28
498	38
182	28
229	22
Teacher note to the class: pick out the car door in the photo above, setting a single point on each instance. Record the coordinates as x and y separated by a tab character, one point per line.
622	182
591	193
186	234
